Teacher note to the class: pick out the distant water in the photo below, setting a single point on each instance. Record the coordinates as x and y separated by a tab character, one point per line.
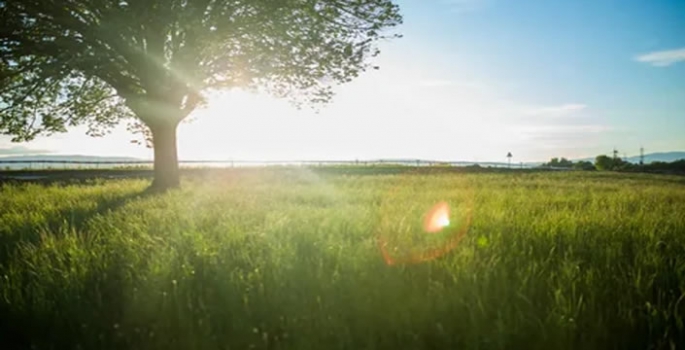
78	166
57	165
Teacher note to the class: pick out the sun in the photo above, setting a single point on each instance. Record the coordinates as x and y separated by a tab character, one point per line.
235	124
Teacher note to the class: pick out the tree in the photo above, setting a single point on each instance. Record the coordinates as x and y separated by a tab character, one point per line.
556	163
604	162
677	166
583	165
553	162
151	62
565	163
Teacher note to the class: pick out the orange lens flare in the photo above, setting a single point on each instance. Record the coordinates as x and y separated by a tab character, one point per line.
437	218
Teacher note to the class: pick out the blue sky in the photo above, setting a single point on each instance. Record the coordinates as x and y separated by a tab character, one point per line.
470	80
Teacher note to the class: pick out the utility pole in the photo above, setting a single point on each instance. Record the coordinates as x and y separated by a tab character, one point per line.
615	153
642	156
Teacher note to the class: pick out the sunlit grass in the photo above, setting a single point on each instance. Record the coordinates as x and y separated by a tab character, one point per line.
290	259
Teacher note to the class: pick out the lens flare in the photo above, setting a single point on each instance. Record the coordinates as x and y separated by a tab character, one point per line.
437	218
406	234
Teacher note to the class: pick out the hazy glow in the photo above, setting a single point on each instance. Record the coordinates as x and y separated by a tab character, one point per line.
467	83
402	111
411	108
387	114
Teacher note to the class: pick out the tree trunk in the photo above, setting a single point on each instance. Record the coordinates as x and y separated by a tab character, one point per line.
166	156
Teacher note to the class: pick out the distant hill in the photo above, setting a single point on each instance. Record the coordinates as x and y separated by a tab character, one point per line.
75	158
659	157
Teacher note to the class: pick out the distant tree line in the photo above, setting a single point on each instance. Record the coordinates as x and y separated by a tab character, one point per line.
607	163
604	162
567	164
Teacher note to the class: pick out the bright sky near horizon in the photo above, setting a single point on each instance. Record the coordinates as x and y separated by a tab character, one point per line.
471	80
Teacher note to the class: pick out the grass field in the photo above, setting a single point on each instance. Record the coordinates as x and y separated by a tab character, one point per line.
291	259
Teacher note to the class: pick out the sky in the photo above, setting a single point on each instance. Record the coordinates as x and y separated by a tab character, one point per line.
470	80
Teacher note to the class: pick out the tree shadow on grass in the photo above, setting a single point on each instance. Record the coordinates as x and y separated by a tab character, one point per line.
64	319
22	327
76	219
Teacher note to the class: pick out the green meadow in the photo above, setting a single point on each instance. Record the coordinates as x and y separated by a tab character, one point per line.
293	258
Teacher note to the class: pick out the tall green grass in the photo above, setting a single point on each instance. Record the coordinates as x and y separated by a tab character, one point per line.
290	259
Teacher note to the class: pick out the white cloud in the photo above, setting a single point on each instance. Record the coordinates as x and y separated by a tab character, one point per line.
555	111
455	86
662	58
436	83
555	130
565	140
20	150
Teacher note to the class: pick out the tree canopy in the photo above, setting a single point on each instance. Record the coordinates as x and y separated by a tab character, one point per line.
559	163
604	162
98	62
